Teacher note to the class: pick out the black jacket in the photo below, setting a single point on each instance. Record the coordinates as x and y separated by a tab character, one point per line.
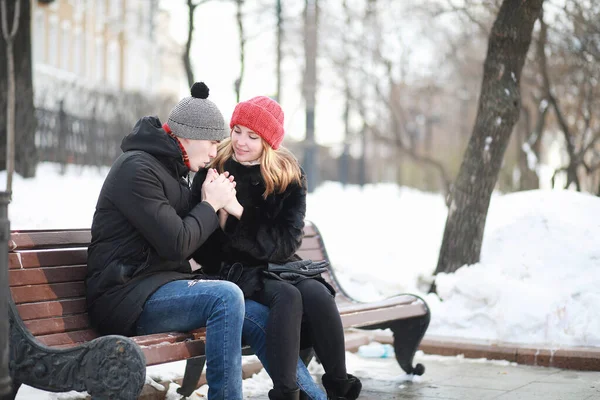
144	229
270	230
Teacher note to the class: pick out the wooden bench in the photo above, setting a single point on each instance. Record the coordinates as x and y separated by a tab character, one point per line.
52	346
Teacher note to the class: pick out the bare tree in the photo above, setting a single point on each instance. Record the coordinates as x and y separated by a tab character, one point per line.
396	115
279	16
17	52
570	78
311	8
239	17
187	63
9	36
498	111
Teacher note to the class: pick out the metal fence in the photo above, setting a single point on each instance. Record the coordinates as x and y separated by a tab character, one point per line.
68	139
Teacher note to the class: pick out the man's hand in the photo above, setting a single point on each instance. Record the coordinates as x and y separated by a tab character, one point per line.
218	190
223	215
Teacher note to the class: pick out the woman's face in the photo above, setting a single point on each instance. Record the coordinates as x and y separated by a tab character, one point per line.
247	145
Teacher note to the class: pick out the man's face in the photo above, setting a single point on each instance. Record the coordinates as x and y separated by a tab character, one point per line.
200	152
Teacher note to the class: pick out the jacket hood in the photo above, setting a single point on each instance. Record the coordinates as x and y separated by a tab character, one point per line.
149	136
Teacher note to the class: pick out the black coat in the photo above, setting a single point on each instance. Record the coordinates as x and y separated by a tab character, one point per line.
144	229
270	230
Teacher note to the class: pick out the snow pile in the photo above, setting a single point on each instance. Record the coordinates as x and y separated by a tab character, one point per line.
538	281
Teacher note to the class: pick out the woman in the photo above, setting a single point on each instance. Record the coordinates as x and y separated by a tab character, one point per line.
264	225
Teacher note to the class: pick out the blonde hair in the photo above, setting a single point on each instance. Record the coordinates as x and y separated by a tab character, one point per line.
279	168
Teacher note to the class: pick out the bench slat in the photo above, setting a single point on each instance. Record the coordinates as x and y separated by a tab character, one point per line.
389	302
22	240
47	258
374	316
163	353
309	230
49	309
33	293
37	276
58	325
170	337
314	254
67	339
311	243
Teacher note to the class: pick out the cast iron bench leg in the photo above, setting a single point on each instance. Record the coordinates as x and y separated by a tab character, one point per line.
109	367
193	370
408	334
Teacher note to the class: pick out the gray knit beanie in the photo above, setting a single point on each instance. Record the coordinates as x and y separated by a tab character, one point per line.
196	117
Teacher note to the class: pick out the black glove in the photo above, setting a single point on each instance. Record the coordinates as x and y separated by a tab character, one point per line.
291	270
249	279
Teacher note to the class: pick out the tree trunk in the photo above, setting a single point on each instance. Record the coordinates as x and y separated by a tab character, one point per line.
498	111
571	168
532	137
239	16
310	86
187	63
25	121
8	33
279	16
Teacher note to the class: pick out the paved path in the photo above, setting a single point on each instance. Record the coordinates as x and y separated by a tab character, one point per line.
455	378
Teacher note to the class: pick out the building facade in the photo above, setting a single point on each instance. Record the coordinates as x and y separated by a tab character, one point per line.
99	46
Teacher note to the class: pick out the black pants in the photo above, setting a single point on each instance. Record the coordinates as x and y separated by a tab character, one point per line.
310	303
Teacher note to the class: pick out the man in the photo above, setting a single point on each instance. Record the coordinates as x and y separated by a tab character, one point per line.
139	280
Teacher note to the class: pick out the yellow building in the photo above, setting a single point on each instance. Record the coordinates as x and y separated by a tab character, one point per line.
108	46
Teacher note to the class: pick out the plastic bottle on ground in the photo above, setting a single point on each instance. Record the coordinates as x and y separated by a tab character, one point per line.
376	350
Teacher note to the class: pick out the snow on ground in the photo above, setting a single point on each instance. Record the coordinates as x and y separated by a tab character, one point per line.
537	283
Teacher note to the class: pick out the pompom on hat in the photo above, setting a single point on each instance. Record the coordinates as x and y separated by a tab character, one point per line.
262	115
196	117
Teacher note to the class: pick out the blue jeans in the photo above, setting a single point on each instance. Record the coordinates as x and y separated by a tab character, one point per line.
254	334
217	305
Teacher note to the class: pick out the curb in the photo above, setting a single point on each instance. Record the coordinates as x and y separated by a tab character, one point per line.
576	358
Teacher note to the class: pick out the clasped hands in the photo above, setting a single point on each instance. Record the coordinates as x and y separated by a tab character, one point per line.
219	191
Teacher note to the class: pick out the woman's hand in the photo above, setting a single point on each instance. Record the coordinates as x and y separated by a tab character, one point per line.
234	208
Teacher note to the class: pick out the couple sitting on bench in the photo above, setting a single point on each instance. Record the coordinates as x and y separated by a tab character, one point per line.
221	254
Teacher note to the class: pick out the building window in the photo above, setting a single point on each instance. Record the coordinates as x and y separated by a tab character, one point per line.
113	59
99	58
78	9
52	41
100	14
144	19
65	46
78	53
116	7
39	37
131	16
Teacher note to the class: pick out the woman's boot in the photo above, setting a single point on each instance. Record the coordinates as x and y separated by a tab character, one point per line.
278	394
342	389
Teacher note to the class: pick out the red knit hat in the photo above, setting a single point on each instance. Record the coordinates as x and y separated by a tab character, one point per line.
263	115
